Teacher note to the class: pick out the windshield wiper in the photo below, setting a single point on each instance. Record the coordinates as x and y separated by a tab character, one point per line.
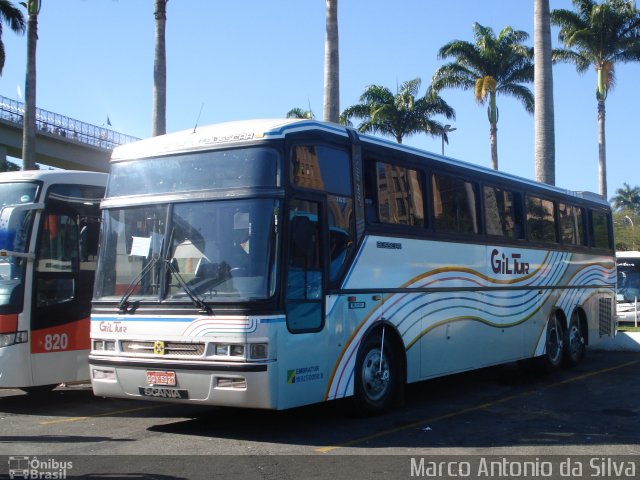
197	301
124	301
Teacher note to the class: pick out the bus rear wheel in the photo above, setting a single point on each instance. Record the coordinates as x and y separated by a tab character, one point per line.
574	342
376	375
554	344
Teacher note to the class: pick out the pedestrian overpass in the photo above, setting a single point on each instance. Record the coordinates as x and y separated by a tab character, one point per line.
61	142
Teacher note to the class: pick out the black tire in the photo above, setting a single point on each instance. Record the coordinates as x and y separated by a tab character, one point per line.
376	378
554	343
574	342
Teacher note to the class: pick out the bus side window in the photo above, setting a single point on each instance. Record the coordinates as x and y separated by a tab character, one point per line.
58	257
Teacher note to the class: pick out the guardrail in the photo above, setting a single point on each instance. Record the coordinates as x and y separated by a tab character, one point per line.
56	124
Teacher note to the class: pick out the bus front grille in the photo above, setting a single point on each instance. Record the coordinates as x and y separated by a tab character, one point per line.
178	349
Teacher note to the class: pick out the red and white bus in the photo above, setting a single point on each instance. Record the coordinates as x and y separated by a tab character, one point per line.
49	230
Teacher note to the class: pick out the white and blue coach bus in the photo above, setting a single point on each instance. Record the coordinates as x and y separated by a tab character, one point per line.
272	264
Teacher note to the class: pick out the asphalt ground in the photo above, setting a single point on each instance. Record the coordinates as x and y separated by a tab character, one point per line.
590	413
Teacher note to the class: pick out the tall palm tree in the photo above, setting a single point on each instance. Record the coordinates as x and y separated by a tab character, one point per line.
13	17
300	113
600	35
331	111
626	198
398	115
29	124
545	156
490	66
159	114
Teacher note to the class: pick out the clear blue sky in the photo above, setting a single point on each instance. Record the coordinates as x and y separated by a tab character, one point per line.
255	59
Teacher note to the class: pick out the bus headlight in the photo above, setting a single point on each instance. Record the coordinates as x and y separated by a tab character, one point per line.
104	345
7	339
229	349
252	351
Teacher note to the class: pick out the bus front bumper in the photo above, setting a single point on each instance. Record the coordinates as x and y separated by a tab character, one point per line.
249	385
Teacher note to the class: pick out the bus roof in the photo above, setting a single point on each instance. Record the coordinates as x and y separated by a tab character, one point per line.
56	176
244	131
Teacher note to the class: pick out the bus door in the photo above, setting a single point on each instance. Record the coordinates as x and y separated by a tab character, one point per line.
62	287
302	351
305	272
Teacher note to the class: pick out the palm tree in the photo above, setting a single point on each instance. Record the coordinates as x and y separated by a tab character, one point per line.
29	123
300	113
398	115
331	65
544	122
626	198
13	17
159	114
490	66
600	35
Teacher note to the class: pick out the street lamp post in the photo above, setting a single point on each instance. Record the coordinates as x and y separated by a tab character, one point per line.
633	233
444	130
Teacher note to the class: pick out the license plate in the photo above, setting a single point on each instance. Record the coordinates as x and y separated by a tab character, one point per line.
161	378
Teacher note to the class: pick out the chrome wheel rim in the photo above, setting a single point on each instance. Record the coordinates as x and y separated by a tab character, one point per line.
375	376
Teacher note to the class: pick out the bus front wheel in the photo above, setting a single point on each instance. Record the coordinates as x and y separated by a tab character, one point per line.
376	375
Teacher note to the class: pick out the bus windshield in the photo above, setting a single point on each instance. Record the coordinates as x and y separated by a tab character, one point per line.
628	284
215	251
15	228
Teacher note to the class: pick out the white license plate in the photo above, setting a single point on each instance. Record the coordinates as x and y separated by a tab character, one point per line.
155	377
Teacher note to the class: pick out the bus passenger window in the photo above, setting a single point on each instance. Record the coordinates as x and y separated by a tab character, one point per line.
501	213
400	199
600	230
571	224
455	204
320	167
541	223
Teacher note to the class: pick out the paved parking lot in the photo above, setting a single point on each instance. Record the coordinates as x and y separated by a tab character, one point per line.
591	410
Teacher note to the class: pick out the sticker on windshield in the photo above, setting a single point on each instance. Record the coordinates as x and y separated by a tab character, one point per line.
140	246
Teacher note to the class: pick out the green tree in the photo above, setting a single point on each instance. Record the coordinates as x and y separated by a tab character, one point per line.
331	64
544	123
490	66
599	35
626	198
300	113
29	123
10	15
159	114
398	115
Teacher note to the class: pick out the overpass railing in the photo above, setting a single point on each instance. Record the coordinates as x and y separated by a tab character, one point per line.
56	124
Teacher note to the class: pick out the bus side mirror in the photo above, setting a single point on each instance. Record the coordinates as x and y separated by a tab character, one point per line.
12	226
